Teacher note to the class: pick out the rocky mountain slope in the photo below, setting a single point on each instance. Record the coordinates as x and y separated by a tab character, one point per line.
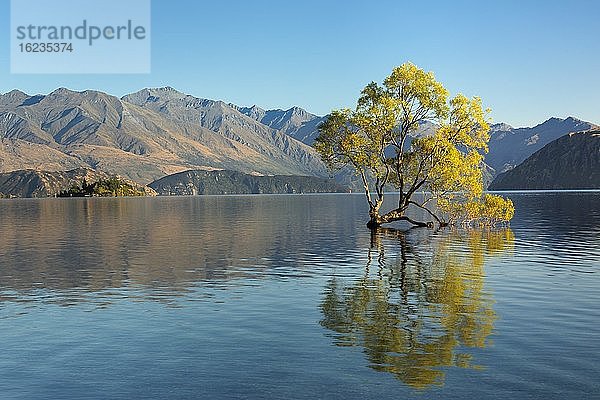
570	162
510	146
143	136
232	182
156	132
295	122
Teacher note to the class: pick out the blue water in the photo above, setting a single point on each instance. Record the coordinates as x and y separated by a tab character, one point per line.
292	297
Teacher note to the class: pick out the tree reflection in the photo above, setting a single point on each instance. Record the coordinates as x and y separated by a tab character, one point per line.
423	307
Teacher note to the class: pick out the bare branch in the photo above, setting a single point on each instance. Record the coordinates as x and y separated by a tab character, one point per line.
422	206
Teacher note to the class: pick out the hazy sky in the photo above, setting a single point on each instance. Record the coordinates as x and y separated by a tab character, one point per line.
528	60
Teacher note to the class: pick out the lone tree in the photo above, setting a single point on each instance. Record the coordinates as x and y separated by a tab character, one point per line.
379	141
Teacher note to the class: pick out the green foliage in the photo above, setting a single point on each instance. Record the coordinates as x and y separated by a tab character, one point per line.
111	187
373	140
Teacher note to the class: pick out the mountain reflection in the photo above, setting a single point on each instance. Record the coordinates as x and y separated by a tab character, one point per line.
70	250
421	304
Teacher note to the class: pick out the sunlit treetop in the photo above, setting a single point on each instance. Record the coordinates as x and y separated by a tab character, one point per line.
380	141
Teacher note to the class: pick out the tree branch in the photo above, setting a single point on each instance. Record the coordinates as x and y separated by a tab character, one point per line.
440	222
397	215
366	186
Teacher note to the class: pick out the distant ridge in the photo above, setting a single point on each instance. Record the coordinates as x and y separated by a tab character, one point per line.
510	146
156	132
232	182
295	121
570	162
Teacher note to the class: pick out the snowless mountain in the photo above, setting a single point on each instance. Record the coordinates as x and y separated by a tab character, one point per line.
569	162
511	146
143	136
156	132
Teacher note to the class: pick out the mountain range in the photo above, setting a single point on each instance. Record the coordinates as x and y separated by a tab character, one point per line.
143	136
570	162
155	132
510	146
295	122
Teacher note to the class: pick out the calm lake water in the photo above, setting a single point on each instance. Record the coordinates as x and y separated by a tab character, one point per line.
291	297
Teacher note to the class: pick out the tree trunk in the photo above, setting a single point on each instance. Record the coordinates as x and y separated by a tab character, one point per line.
392	216
374	216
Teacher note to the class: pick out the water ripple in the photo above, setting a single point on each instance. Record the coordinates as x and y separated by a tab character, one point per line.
216	296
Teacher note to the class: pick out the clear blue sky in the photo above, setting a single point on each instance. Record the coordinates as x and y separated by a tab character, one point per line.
528	60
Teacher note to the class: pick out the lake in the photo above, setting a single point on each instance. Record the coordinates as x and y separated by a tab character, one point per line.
292	297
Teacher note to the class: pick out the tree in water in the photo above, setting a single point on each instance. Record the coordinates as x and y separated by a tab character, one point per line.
377	140
423	309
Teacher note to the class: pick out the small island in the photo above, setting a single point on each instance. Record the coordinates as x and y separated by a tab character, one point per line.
78	182
111	187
